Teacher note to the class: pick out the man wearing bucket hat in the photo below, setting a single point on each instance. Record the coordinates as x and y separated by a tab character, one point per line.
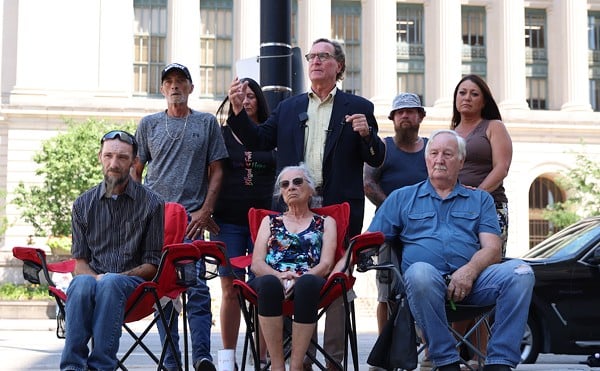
404	165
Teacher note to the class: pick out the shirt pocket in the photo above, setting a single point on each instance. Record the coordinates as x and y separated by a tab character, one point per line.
421	224
466	222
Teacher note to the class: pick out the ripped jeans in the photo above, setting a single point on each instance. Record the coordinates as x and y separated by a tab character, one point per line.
509	285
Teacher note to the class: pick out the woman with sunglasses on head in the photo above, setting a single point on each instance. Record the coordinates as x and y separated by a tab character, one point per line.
293	253
248	182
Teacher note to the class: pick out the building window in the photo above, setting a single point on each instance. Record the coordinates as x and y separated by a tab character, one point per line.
216	47
594	58
595	94
536	92
473	36
149	45
345	25
543	192
536	69
410	51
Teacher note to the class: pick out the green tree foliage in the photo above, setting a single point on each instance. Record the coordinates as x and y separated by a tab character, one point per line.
68	164
583	186
10	291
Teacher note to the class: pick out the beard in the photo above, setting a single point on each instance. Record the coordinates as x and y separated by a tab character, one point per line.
111	182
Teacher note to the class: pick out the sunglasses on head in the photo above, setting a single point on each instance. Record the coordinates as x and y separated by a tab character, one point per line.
286	183
123	136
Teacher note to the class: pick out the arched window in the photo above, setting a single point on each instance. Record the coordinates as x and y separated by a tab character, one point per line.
543	192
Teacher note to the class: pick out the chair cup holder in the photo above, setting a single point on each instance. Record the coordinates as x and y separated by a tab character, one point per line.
187	274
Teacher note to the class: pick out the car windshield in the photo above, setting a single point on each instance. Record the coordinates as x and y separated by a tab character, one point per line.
566	242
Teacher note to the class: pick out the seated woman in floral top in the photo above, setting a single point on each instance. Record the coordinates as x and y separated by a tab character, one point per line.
293	253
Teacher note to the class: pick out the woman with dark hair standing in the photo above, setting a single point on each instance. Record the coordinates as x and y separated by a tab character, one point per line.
248	181
477	119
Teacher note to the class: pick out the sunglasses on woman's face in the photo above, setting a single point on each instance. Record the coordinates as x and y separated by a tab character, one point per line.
286	183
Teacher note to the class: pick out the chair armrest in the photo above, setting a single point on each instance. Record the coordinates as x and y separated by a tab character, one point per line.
213	254
34	261
367	242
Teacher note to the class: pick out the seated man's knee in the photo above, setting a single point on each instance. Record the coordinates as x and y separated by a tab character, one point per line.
519	274
82	284
421	275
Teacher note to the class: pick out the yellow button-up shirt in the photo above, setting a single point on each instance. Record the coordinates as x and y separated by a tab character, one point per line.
319	115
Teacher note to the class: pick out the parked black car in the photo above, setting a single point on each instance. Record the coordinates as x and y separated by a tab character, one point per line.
564	316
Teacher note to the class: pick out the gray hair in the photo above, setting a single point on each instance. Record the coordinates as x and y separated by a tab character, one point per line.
462	145
305	174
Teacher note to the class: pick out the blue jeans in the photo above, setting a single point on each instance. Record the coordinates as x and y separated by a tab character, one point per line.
239	243
509	285
95	308
199	318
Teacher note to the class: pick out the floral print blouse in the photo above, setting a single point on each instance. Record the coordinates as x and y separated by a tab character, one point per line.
287	251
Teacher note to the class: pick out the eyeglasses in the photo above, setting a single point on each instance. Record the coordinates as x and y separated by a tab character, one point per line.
322	56
123	136
284	184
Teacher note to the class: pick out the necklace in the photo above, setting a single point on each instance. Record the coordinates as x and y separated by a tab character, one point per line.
167	126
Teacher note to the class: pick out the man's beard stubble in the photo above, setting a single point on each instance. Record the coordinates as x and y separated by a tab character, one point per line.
110	182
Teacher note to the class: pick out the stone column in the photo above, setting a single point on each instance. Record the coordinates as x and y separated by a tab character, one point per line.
314	22
443	46
114	74
184	35
568	80
246	29
378	33
505	47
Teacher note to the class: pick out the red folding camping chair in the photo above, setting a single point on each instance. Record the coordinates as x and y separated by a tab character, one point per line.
144	300
338	284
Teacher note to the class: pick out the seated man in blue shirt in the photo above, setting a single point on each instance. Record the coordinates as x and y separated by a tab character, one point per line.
117	231
450	230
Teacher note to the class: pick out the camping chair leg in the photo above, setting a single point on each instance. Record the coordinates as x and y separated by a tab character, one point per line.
60	319
250	341
168	338
255	342
353	337
463	339
185	332
138	341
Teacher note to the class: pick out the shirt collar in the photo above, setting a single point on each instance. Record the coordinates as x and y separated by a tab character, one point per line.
129	190
427	190
330	96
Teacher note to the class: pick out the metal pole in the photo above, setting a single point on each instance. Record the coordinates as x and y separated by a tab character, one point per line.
275	50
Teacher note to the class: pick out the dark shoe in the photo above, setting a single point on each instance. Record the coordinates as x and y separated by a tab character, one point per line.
205	364
451	367
593	360
496	368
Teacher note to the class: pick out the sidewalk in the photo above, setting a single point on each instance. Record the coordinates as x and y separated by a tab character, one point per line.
32	345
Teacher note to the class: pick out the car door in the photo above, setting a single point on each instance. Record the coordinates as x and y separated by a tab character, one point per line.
583	312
